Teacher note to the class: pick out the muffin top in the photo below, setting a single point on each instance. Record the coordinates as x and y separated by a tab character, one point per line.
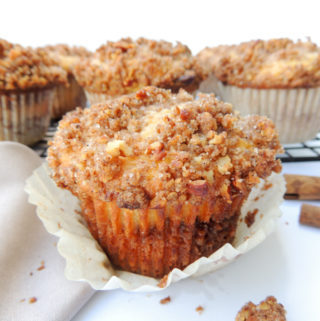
276	63
153	147
67	56
125	66
27	68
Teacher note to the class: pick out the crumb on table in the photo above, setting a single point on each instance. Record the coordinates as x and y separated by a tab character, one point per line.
165	300
41	267
33	300
200	309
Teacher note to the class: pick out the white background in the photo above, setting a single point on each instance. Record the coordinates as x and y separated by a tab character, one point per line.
287	264
195	23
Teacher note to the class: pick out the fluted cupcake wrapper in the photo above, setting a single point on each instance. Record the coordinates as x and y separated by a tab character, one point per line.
86	261
96	98
154	241
295	112
25	116
67	98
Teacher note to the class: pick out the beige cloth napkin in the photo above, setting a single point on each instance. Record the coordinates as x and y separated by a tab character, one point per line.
30	266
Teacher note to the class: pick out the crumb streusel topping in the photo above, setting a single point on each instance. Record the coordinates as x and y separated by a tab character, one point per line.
122	67
276	63
27	68
267	310
67	56
65	50
153	147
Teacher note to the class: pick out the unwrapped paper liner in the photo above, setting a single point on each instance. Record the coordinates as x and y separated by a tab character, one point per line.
295	112
59	211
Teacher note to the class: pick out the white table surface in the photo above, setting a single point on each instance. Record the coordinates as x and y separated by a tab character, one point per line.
286	265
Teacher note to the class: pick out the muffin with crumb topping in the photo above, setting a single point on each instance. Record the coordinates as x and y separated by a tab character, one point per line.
27	78
278	78
122	67
161	177
70	96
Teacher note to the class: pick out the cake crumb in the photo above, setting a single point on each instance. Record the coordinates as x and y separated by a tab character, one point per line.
41	267
22	300
33	300
163	282
267	310
287	223
250	217
200	309
267	186
165	300
30	273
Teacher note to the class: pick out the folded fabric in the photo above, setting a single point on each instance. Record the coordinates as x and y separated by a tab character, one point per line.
33	285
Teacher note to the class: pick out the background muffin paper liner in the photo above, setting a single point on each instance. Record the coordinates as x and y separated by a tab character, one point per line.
295	112
59	211
96	98
25	117
67	98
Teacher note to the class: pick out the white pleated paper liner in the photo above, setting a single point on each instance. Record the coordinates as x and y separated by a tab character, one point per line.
59	210
295	112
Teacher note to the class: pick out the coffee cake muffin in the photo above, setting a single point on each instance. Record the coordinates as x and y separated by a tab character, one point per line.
122	67
267	310
70	96
27	78
278	78
161	177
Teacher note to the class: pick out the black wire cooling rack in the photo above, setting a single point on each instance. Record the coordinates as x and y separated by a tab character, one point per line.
300	152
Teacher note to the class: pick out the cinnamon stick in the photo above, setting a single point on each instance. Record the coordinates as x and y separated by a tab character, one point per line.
310	215
300	187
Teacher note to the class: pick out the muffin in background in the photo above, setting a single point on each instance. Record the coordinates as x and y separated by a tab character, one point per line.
27	78
122	67
67	97
278	78
161	177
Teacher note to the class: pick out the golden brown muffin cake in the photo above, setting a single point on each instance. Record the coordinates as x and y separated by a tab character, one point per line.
278	78
161	177
267	310
122	67
27	78
69	96
275	63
